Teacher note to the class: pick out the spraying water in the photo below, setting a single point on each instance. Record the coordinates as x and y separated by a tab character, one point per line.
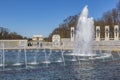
84	34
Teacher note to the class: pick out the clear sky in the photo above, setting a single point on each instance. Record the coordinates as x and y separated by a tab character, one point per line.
29	17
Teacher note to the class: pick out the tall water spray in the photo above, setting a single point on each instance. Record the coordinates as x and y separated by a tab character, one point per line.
84	34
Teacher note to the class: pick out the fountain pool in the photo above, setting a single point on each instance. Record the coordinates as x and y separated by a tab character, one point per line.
91	69
81	63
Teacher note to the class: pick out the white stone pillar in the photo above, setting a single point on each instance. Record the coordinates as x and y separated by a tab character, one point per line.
72	33
106	33
56	40
97	33
116	32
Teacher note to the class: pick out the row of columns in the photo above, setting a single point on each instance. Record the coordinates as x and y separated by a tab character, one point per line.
107	33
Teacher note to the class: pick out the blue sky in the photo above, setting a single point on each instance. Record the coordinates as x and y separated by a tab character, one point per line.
29	17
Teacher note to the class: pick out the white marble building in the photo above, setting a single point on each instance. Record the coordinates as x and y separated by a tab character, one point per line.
37	38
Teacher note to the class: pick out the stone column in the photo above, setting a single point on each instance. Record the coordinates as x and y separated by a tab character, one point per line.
106	33
72	34
56	40
116	32
97	33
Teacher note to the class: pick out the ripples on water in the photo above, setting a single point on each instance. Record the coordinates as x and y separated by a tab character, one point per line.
85	70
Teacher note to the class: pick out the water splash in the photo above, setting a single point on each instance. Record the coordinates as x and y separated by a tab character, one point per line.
84	34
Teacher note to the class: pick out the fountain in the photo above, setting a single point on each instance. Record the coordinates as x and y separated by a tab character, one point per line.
1	63
84	35
46	59
83	49
35	58
3	53
84	38
18	58
63	56
25	57
85	61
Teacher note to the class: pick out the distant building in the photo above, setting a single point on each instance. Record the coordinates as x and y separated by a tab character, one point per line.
37	38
